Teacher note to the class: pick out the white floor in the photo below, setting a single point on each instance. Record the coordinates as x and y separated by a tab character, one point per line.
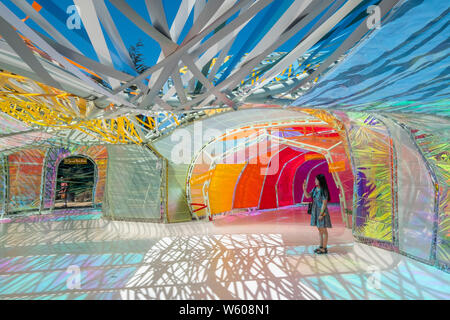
266	255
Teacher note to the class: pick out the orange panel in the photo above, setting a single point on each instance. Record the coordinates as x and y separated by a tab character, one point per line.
313	156
336	166
36	6
249	187
221	188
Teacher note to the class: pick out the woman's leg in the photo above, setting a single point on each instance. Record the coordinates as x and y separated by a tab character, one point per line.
321	237
325	237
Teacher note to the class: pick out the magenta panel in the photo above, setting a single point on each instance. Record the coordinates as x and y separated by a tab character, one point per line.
313	168
285	183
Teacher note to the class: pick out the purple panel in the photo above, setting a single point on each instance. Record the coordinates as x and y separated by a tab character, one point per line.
300	176
302	173
364	188
323	169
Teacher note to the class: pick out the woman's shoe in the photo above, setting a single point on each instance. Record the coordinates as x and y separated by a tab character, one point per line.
323	251
318	250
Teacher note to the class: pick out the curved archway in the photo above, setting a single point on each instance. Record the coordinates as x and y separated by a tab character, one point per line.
75	182
221	181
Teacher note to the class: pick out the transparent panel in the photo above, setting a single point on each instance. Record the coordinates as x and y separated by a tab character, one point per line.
133	188
373	159
432	135
416	196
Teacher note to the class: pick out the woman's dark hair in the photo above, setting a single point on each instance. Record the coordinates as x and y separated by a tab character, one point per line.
323	185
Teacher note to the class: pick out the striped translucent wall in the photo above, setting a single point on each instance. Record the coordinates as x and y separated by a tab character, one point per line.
134	181
416	196
199	133
236	180
432	135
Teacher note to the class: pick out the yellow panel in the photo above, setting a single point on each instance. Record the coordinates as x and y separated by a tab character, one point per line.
222	186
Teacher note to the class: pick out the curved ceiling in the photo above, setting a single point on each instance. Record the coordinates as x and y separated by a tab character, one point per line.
394	71
177	55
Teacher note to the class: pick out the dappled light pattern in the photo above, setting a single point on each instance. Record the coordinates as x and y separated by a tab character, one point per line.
270	260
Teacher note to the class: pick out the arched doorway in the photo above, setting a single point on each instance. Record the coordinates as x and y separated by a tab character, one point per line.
75	182
262	168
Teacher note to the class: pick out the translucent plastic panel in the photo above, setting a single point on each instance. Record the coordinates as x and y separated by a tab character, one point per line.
200	173
253	156
25	174
269	194
221	188
20	140
301	172
14	134
432	135
133	188
178	209
248	189
286	181
198	134
416	196
400	68
373	155
344	175
100	156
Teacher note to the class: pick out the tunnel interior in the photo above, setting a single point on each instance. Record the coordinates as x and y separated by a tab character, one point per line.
75	182
264	168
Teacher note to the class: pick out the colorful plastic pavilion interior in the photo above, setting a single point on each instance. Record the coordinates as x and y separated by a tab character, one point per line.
228	108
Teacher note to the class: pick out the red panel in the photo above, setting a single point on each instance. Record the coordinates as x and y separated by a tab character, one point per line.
249	186
285	184
269	197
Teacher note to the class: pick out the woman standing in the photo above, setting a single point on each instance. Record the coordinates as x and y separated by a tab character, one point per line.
319	211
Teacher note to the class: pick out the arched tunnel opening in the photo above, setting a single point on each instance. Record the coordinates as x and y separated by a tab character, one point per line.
264	168
75	182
